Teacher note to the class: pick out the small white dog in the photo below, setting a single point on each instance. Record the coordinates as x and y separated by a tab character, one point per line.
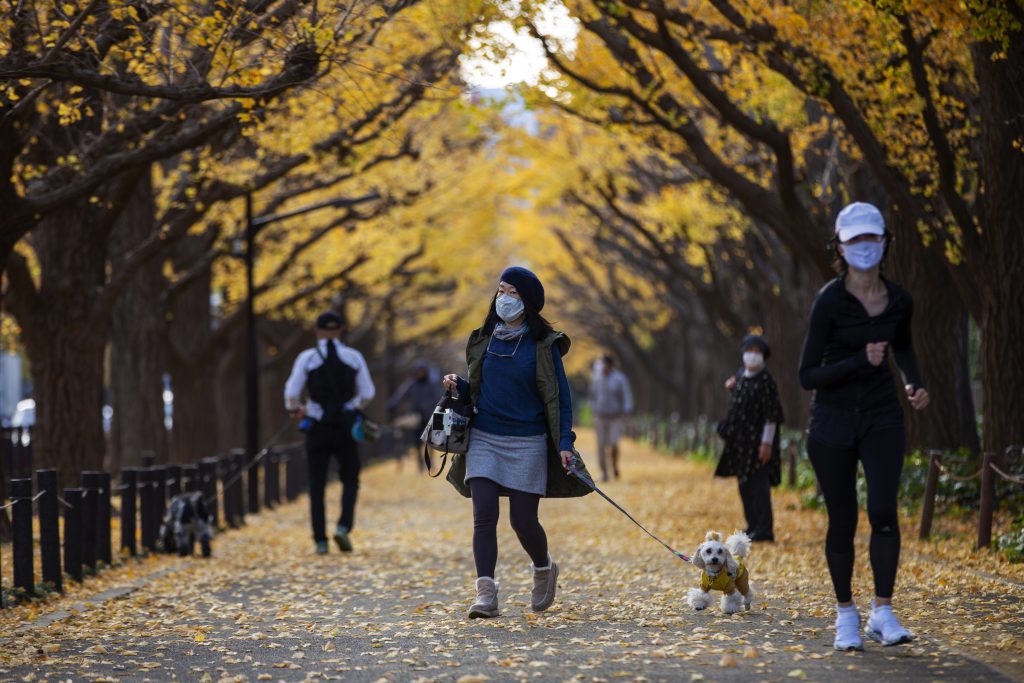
722	569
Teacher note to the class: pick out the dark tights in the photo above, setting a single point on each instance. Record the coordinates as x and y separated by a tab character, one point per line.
523	515
881	452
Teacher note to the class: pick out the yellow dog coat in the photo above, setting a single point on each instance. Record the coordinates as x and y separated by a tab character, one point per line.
726	582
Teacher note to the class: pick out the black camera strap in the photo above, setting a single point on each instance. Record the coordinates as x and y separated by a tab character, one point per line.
426	461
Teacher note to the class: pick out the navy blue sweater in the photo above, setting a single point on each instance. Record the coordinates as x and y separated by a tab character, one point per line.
509	403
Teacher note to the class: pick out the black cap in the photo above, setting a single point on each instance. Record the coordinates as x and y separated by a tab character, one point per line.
328	321
758	341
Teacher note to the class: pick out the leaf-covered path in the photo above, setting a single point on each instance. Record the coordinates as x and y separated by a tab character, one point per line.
266	608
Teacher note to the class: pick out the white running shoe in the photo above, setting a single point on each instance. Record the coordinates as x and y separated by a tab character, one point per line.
848	629
884	627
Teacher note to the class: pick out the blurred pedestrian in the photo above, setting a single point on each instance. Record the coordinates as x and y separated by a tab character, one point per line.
856	321
338	385
420	395
521	440
611	400
751	434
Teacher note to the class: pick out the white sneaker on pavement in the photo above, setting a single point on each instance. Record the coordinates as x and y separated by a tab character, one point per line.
848	629
884	627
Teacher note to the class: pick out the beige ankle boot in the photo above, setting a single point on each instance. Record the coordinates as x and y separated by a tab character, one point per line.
486	604
545	580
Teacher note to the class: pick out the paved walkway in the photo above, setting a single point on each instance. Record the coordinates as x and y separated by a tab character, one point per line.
266	608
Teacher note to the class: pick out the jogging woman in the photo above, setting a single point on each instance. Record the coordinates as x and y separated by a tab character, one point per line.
521	438
858	320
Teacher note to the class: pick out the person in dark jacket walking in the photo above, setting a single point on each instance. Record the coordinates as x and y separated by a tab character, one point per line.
859	320
521	437
751	435
420	394
338	384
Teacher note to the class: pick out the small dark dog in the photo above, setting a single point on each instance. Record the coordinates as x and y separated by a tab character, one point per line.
186	520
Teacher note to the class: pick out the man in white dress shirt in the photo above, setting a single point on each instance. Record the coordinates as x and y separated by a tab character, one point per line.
338	385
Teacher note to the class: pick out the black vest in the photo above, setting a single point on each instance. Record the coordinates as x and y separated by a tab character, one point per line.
332	385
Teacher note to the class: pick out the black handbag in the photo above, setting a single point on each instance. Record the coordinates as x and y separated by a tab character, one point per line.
447	430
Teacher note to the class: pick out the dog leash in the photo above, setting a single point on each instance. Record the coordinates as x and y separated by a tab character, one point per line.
590	483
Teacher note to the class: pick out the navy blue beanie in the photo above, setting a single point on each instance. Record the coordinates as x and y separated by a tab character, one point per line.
527	284
758	341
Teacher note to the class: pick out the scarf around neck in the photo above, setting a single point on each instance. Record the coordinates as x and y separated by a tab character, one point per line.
505	333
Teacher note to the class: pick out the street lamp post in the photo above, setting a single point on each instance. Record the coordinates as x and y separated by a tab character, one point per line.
252	371
253	225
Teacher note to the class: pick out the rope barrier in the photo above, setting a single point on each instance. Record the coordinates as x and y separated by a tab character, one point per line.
66	504
1013	479
946	471
22	499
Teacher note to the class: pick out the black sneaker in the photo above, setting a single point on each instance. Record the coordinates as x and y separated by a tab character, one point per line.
341	538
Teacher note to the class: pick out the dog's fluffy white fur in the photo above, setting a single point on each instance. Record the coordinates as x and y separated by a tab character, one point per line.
712	557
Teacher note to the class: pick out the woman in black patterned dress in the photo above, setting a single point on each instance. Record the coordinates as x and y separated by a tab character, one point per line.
751	435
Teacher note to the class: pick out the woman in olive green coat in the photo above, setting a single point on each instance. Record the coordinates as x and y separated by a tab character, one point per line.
521	440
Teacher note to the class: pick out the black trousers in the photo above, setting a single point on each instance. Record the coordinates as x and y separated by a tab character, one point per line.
878	442
756	494
324	442
523	512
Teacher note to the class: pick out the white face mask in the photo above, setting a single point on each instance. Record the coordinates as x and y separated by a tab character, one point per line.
863	256
752	360
508	307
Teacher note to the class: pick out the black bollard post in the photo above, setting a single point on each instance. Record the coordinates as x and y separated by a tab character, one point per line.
49	528
73	533
146	508
159	500
238	459
290	481
270	479
90	514
103	553
21	513
208	477
226	491
174	484
129	498
192	478
252	477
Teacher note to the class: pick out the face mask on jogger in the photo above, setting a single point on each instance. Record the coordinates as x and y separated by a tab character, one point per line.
863	256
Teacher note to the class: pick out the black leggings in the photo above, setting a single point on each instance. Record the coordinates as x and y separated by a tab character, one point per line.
523	514
881	451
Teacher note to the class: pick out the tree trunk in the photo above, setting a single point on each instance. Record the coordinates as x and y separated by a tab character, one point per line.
138	354
1001	101
191	361
65	347
68	388
940	342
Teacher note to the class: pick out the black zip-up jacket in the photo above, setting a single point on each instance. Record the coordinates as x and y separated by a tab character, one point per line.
835	362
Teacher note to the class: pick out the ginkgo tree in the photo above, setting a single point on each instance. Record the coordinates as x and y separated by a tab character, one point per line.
776	107
97	92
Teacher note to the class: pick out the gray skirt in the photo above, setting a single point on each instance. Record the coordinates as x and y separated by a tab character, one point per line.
519	463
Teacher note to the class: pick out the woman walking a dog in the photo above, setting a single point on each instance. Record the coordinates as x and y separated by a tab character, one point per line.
858	320
521	439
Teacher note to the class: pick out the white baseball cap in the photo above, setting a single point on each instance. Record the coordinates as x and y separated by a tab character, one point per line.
859	218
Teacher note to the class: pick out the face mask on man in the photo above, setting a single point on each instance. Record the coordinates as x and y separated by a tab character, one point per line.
752	360
508	307
863	256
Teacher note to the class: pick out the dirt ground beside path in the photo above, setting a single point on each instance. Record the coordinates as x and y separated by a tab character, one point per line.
266	608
